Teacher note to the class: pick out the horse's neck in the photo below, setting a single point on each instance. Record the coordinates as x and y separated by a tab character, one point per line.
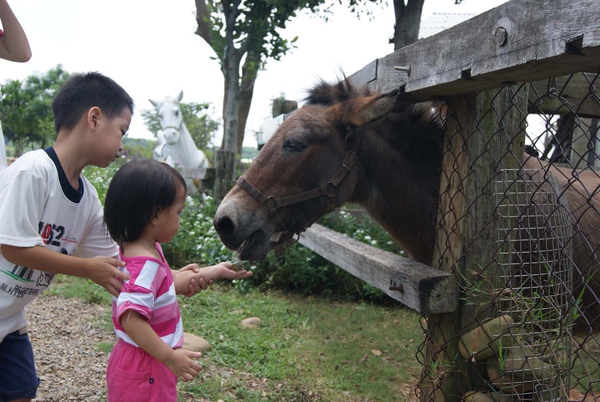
402	197
185	152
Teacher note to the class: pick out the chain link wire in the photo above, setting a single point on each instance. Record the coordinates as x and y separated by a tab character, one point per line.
519	227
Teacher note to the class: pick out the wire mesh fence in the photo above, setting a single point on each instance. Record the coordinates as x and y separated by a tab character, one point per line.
519	227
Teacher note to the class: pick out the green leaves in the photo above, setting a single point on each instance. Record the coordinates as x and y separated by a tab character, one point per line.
26	109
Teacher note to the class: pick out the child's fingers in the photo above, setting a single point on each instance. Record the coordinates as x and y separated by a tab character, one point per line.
193	355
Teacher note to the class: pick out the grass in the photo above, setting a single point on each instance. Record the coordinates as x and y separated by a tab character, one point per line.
307	349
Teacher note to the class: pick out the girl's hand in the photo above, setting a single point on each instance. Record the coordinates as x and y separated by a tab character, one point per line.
231	271
181	364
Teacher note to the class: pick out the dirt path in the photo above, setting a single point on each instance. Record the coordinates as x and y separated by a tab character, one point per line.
65	334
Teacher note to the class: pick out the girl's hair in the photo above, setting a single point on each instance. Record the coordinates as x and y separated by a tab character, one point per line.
137	192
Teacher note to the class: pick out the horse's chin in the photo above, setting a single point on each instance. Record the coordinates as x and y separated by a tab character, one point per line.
256	247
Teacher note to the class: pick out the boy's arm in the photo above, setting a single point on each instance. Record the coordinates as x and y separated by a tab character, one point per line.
101	270
186	283
14	45
178	361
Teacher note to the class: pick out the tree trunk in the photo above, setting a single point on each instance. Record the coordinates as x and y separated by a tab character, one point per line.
231	113
408	20
246	94
231	102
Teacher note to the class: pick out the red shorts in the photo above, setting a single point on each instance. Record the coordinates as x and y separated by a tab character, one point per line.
133	375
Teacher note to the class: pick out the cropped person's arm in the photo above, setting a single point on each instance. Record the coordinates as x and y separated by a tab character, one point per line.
101	270
14	45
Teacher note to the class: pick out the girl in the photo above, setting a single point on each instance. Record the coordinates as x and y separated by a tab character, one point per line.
141	210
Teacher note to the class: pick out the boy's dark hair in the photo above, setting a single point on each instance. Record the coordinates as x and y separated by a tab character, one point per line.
137	192
83	91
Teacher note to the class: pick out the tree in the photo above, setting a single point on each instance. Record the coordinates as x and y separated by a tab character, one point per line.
244	34
26	109
200	125
408	20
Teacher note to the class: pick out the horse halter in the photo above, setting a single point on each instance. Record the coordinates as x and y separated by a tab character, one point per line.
177	127
329	190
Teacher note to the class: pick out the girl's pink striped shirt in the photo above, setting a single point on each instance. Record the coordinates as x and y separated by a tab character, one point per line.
150	291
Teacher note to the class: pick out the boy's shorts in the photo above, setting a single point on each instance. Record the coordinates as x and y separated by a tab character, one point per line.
18	378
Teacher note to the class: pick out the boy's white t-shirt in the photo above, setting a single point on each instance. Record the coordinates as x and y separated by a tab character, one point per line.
38	207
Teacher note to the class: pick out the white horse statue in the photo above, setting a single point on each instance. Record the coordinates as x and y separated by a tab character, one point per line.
182	151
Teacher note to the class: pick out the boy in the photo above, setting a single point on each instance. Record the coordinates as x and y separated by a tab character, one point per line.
48	210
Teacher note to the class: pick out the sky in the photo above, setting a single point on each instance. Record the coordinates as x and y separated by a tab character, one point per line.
149	47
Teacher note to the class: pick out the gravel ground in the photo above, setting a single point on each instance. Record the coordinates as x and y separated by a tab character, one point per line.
65	334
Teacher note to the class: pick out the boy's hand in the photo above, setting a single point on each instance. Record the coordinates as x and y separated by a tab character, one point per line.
181	364
104	272
195	285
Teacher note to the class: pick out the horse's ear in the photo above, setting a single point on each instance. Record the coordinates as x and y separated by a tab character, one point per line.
153	102
372	109
180	96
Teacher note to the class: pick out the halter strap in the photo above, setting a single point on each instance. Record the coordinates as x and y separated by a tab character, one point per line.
176	128
329	189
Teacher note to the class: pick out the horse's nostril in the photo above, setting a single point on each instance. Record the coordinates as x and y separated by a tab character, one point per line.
224	226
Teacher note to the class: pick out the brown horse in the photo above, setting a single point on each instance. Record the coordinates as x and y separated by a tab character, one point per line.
348	145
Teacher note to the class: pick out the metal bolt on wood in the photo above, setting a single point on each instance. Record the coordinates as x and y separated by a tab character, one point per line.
404	69
399	288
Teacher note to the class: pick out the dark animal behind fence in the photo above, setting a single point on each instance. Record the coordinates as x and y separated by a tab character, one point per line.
395	178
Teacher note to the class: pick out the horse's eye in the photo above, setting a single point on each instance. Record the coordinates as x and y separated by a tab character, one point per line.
177	113
293	146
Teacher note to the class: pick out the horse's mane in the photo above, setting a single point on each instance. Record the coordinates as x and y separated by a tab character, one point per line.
327	94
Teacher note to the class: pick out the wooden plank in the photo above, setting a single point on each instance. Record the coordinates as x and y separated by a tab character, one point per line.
519	41
477	146
224	177
418	286
559	95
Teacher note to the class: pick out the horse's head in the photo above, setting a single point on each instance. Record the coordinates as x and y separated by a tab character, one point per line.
306	169
170	117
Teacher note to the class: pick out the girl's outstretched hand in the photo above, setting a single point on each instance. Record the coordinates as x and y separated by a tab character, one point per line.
232	271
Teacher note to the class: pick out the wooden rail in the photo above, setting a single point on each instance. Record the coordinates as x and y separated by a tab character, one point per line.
418	286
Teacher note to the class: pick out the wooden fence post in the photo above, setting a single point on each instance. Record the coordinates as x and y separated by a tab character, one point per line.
484	134
224	173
